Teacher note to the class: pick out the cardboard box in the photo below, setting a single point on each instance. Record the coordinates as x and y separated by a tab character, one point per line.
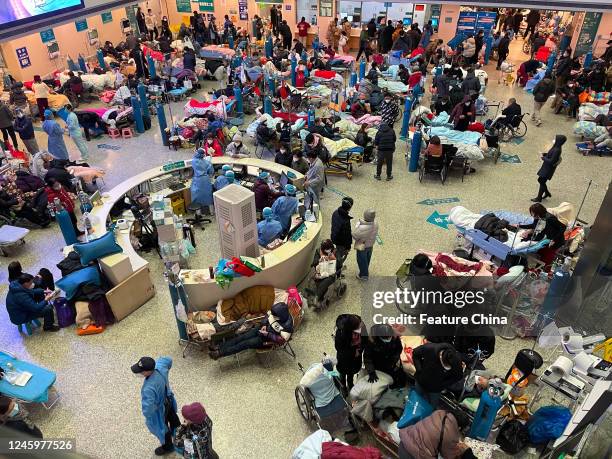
116	267
166	233
130	294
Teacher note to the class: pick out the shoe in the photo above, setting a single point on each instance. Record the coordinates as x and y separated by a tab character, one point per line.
52	328
161	451
213	347
361	278
215	355
536	200
377	177
389	178
547	195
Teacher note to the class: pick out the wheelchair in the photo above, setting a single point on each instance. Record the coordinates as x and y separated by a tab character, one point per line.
333	417
433	166
334	292
510	129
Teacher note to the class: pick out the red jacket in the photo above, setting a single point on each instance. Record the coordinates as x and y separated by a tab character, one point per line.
215	146
62	195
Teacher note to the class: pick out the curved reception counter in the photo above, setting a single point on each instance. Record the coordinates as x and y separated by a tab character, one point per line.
281	267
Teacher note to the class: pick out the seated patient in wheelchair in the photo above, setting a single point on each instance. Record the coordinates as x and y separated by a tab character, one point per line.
327	269
276	329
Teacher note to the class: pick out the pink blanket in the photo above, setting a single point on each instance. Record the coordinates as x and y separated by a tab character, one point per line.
216	49
343	58
195	107
88	174
366	119
99	111
155	55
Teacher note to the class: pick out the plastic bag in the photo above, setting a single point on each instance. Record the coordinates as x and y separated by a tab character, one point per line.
548	423
513	437
415	410
180	312
239	267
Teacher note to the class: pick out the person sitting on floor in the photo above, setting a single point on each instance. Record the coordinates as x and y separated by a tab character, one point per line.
276	329
22	307
15	417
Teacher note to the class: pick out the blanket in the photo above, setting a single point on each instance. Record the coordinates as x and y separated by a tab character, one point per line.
216	52
391	72
336	147
349	130
255	301
155	55
195	107
88	174
372	120
455	137
441	120
589	111
56	101
271	123
532	82
396	87
588	130
92	81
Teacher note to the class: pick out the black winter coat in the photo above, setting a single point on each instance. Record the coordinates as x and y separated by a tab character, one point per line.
492	226
543	90
381	356
551	160
348	355
385	138
341	233
470	85
553	230
430	374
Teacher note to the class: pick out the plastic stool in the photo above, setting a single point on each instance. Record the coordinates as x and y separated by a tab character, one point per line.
127	133
29	326
114	133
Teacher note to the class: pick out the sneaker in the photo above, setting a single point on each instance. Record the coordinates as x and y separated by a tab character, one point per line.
161	451
377	177
52	328
538	123
389	178
361	278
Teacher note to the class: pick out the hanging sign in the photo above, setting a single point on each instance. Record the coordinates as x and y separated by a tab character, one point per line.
242	10
206	5
588	32
107	17
47	35
23	57
81	25
183	6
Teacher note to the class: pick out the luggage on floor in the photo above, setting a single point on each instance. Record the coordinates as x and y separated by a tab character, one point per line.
65	314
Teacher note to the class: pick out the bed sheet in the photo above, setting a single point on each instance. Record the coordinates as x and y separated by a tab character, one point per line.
56	101
396	87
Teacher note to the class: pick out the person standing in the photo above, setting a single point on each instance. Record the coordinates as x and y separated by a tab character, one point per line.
315	176
158	402
285	32
542	91
385	144
372	33
6	124
341	228
389	111
274	20
503	48
517	19
55	144
386	37
75	132
479	40
25	128
257	26
364	43
349	340
141	22
533	19
194	436
201	185
333	33
151	23
550	161
41	93
303	27
364	234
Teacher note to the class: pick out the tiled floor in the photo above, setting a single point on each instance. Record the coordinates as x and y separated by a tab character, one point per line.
252	407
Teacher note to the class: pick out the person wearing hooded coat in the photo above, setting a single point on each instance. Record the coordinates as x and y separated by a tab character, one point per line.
382	353
55	145
236	148
385	143
197	431
157	399
463	114
350	341
364	234
386	37
201	185
471	84
550	161
268	229
276	329
285	206
25	129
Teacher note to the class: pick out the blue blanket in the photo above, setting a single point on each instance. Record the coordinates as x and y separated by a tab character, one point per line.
467	137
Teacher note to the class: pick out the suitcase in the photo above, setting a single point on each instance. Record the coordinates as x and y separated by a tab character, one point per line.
65	224
65	313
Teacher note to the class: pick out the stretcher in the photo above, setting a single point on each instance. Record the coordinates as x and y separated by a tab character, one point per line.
216	52
343	156
38	387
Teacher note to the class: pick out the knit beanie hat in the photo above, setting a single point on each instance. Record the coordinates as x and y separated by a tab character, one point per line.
194	413
369	215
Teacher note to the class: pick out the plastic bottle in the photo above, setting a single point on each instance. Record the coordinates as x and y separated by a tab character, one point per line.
87	221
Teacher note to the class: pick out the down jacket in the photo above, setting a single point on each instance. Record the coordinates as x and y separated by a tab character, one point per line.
365	232
385	138
493	226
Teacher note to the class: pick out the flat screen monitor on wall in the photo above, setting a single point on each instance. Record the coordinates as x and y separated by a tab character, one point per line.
17	12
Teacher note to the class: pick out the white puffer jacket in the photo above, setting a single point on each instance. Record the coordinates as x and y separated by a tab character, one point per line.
365	233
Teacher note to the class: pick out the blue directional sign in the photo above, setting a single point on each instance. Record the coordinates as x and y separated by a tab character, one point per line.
438	219
513	159
434	201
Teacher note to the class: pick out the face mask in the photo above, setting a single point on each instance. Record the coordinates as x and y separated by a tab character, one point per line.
14	411
327	252
57	188
385	340
20	115
237	144
282	152
296	159
387	100
467	104
210	141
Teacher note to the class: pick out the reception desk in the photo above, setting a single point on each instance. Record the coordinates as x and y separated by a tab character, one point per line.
284	266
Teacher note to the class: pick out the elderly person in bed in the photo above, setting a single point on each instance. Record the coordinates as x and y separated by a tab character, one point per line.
275	329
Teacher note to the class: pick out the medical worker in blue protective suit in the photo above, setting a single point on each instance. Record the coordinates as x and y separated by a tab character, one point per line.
229	175
268	229
201	186
76	133
221	181
158	403
55	145
285	206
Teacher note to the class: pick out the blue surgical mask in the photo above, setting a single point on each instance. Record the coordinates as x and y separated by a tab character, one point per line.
14	412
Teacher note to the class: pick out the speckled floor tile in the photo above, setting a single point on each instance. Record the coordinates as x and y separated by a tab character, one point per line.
252	406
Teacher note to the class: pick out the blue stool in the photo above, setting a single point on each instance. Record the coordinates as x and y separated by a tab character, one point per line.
29	326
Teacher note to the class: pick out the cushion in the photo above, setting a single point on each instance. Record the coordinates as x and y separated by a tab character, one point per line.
98	248
71	283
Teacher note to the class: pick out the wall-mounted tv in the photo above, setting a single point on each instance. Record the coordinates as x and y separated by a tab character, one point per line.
16	12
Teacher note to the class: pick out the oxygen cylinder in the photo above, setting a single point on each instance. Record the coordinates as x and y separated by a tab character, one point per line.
100	57
311	117
62	217
415	151
362	69
490	403
82	65
161	120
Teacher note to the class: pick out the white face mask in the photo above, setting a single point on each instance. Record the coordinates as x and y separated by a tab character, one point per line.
237	143
296	159
282	152
385	340
210	141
